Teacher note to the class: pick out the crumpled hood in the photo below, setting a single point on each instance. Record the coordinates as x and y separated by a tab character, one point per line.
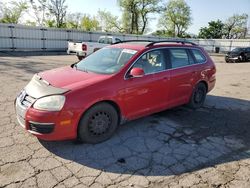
38	88
70	78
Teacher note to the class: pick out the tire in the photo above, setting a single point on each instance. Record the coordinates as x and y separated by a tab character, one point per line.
98	124
198	96
80	57
227	60
243	58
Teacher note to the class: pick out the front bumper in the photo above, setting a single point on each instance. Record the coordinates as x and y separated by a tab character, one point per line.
231	58
47	125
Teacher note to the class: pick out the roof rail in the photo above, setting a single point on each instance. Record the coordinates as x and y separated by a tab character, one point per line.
173	41
124	41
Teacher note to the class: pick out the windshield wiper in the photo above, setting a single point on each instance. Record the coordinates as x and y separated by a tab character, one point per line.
74	65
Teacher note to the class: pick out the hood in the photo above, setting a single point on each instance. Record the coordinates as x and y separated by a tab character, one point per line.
70	78
38	87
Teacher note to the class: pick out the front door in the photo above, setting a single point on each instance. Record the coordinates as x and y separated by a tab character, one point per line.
149	93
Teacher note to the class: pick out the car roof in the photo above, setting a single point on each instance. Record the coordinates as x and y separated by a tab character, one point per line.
141	45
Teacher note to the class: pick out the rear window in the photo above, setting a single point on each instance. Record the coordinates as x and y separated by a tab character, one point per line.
200	58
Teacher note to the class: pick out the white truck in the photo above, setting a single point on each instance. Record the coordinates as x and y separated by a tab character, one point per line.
83	49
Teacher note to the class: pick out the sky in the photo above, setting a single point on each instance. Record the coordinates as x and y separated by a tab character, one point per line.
203	11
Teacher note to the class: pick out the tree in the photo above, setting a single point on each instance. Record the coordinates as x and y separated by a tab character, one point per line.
176	18
130	15
13	12
213	31
40	11
73	20
136	13
109	22
236	26
58	9
147	7
89	23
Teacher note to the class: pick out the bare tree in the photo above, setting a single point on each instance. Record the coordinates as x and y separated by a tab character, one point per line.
58	9
236	26
40	11
73	20
136	13
109	22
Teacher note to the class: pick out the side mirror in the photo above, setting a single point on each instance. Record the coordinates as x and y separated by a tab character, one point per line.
137	72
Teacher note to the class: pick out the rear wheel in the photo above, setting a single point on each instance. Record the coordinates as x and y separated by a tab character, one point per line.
98	123
198	96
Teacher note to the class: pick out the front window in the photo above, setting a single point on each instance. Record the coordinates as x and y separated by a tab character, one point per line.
152	62
106	60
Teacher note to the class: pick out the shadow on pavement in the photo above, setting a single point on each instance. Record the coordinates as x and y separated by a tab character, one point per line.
170	142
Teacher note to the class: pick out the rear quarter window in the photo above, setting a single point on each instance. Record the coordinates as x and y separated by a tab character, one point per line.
199	57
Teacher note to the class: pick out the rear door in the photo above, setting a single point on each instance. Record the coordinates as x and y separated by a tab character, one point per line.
182	76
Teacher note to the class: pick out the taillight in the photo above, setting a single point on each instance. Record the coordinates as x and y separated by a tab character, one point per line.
84	47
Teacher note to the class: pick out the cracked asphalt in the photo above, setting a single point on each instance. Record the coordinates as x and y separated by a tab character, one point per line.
209	147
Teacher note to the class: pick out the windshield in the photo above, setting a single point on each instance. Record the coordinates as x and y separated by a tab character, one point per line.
106	60
236	49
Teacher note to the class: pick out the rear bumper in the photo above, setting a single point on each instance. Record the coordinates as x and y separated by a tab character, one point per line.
211	84
78	53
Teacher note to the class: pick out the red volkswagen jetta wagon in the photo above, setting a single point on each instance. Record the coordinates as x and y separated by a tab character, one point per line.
121	82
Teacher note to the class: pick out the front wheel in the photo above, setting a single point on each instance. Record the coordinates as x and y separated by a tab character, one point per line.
198	96
242	58
98	123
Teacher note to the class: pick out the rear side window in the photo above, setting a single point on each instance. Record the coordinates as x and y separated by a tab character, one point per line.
200	58
179	57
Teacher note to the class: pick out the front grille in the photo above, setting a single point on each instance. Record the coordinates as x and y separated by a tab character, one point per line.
41	127
28	101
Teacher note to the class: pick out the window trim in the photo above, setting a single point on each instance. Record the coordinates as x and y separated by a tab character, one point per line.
165	47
